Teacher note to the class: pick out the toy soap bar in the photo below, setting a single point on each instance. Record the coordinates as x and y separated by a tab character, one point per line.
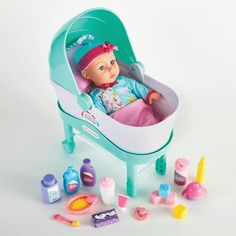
105	218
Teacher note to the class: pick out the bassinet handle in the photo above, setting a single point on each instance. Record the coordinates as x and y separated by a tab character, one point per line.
138	70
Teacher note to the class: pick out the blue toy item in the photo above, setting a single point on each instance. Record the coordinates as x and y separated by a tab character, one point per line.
133	145
71	181
164	190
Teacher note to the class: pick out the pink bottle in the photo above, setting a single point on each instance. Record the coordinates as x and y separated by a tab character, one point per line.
181	174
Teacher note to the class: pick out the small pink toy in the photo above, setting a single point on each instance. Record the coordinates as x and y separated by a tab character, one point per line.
194	191
141	213
157	199
62	219
122	202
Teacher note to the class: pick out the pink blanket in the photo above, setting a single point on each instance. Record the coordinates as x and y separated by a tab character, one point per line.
136	114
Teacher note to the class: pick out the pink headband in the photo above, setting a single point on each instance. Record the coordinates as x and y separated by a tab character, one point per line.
93	53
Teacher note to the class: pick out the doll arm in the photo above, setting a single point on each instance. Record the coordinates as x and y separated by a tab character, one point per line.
98	102
153	96
140	90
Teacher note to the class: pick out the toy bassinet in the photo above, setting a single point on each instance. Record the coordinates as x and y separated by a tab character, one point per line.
133	145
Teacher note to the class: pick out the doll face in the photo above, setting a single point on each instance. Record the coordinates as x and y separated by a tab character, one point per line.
103	69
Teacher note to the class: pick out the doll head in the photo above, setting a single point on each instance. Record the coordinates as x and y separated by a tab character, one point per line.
97	62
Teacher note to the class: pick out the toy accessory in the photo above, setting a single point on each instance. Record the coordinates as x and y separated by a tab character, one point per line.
141	213
181	174
71	181
168	198
87	173
81	203
201	171
50	189
195	190
107	189
62	219
161	165
179	212
122	202
105	218
164	190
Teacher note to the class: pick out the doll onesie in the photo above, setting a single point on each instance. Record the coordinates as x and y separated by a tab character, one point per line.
124	100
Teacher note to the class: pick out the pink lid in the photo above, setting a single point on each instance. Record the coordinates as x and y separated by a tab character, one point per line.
107	181
181	163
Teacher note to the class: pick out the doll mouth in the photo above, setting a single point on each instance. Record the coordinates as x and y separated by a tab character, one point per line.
112	76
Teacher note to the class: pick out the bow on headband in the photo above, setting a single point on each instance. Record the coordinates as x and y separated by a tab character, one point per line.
108	47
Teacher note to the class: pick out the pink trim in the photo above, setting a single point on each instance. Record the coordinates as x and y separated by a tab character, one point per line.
148	95
93	53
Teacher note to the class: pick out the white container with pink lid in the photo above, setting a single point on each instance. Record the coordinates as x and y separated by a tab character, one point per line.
107	189
181	173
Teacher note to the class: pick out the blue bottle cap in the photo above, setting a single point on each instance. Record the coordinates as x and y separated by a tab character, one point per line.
69	172
86	161
49	179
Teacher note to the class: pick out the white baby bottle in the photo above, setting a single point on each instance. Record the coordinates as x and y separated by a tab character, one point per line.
107	189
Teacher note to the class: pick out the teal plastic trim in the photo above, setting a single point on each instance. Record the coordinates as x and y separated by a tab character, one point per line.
98	22
161	165
128	157
85	101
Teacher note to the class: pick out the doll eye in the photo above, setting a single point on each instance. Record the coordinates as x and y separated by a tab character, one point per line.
101	68
113	62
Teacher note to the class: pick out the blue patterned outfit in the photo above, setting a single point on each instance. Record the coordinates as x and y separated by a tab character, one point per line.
123	92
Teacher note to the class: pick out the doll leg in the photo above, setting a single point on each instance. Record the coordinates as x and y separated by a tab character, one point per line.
68	144
131	179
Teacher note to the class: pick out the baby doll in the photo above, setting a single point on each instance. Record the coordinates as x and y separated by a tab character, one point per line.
111	91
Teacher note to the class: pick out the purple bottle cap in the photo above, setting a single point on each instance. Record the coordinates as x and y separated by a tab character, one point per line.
86	161
49	180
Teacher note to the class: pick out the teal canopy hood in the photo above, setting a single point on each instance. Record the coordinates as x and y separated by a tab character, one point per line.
98	22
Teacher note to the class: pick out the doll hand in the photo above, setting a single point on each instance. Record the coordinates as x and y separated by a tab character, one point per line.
154	96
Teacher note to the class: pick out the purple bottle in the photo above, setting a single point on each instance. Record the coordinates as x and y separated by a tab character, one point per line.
87	173
50	189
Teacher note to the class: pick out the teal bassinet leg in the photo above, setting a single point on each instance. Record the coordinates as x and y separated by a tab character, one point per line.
68	144
131	179
161	165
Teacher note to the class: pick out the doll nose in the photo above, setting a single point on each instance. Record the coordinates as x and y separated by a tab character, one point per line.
110	68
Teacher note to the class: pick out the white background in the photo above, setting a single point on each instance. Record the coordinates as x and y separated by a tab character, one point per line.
188	45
